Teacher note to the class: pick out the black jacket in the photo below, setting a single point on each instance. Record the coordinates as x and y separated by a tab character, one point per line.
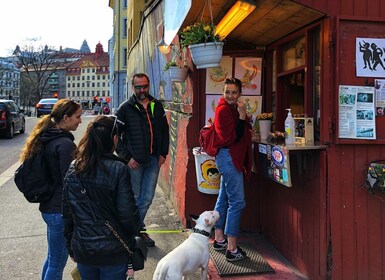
88	239
59	151
136	130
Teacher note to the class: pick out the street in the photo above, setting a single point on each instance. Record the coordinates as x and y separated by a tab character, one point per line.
23	242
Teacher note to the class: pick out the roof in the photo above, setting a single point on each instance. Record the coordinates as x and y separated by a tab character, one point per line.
270	21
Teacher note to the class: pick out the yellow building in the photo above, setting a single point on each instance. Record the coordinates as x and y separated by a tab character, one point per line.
88	78
126	22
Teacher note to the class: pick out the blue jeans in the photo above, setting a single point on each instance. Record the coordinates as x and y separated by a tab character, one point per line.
231	197
57	251
144	180
102	272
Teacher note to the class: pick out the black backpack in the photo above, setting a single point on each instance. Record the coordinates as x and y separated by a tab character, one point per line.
34	179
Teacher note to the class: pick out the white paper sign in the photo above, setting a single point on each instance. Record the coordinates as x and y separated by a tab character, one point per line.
356	112
370	57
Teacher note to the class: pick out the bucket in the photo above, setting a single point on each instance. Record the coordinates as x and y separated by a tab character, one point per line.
208	176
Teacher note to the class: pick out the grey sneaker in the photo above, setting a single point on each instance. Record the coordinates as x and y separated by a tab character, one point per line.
237	256
218	246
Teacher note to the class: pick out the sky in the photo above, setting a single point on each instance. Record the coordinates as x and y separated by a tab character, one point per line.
55	23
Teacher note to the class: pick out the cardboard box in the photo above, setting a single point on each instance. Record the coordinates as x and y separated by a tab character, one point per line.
304	131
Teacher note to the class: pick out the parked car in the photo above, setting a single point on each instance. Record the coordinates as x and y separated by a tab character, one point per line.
11	118
44	106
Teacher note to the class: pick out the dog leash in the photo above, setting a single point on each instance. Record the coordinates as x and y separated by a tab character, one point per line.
164	231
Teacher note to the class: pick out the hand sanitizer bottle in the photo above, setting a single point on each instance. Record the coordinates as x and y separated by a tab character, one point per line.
289	129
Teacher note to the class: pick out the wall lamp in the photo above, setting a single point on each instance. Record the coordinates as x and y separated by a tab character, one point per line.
163	47
238	12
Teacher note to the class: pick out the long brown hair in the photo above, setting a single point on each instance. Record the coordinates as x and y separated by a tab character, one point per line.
96	142
60	109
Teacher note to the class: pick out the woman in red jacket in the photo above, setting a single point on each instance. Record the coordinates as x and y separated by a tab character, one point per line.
233	138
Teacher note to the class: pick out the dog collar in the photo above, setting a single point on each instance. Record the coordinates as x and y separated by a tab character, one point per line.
201	231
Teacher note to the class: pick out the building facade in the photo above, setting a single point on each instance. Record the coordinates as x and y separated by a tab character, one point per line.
87	79
9	81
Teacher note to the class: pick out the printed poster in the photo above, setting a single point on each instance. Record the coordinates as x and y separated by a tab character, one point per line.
249	71
379	90
356	112
253	106
370	57
216	76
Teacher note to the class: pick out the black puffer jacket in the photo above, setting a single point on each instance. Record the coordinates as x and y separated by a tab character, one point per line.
59	151
88	239
136	130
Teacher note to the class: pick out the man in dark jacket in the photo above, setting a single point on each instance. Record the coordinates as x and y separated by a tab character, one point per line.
143	143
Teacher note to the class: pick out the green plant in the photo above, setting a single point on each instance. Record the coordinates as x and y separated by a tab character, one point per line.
169	64
198	33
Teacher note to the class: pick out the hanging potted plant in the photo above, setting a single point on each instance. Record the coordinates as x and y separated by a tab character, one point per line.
205	46
177	73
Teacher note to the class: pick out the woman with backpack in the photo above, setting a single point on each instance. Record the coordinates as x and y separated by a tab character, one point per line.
100	214
233	160
52	136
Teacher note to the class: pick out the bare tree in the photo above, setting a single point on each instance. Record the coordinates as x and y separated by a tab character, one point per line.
37	65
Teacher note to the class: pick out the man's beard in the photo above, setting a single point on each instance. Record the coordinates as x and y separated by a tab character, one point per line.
142	95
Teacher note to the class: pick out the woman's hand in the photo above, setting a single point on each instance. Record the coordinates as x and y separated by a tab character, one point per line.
241	106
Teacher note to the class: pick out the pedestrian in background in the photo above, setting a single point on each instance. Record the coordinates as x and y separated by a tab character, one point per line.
144	143
53	134
98	188
233	138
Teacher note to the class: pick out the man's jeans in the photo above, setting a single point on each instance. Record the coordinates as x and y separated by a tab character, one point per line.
102	272
144	180
231	197
57	251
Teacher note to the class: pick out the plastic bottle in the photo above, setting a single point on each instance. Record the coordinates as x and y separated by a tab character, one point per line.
289	129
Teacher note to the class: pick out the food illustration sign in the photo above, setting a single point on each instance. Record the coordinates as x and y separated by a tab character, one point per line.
253	106
216	76
249	70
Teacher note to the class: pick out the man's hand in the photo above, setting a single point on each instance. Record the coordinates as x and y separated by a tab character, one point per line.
161	161
133	164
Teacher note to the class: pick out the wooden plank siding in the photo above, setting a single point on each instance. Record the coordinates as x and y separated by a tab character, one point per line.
357	222
291	217
356	216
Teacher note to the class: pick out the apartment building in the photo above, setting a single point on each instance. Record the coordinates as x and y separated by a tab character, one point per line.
87	79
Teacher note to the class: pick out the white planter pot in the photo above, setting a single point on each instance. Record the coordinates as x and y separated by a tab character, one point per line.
178	74
264	128
207	54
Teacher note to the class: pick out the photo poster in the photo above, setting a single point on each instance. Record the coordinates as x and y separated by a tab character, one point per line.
370	56
216	76
379	90
249	71
253	106
356	112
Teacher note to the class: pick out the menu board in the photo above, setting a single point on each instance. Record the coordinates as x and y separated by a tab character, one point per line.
356	112
274	163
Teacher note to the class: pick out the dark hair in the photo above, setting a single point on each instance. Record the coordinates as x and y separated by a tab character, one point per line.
234	81
139	75
212	170
96	142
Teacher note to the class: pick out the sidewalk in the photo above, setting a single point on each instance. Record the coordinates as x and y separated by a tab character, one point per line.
23	241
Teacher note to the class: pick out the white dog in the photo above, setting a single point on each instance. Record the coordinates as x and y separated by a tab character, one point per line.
192	254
